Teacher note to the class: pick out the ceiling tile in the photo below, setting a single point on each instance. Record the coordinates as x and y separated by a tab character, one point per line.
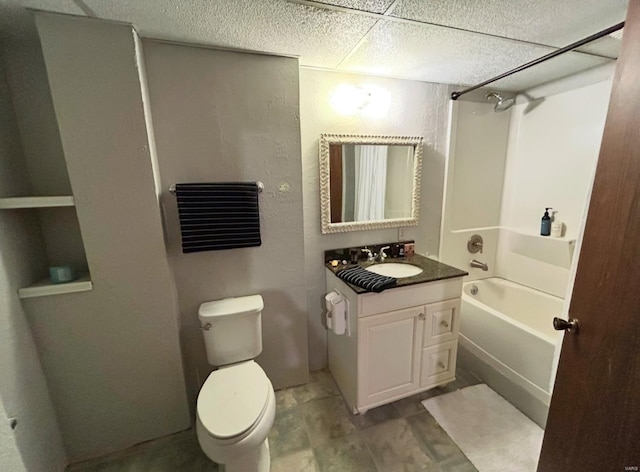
372	6
553	69
607	46
321	37
552	22
437	54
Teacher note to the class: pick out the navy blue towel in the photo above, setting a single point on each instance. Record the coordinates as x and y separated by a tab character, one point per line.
368	280
216	216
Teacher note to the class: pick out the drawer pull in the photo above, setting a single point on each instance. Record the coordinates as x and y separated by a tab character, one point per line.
422	316
441	365
444	323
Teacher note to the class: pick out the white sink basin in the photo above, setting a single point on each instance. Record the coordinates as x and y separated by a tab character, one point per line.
393	269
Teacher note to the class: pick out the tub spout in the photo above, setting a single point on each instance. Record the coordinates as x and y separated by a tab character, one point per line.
478	265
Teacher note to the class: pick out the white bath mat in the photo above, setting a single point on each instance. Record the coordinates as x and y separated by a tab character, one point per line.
491	432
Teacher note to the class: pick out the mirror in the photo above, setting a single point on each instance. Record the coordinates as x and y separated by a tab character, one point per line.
369	182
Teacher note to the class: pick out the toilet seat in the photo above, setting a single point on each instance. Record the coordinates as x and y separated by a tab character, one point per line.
233	399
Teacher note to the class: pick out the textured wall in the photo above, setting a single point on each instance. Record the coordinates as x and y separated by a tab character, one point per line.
23	389
227	116
9	455
111	355
416	109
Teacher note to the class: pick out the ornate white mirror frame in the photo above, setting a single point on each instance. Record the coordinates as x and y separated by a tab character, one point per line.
325	194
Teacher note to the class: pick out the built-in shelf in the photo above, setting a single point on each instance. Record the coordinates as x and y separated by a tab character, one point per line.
555	251
36	202
44	287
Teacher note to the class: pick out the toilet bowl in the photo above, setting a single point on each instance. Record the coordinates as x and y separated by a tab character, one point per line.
235	411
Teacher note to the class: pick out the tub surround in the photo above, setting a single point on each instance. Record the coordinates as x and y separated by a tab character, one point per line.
514	357
431	270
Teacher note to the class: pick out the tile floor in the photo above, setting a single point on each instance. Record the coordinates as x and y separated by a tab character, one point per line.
314	432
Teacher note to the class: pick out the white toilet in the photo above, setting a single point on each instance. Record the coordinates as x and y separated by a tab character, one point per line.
236	405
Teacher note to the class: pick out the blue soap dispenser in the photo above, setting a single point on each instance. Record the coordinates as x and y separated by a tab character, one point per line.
545	227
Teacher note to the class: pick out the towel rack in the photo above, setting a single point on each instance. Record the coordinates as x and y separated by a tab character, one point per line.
172	188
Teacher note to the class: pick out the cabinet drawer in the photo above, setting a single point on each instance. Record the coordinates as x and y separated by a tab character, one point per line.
438	363
409	296
442	322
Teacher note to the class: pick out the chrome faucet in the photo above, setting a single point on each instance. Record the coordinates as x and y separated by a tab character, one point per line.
367	251
478	265
382	255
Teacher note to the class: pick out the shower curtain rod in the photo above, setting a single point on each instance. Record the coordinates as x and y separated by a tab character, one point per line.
551	55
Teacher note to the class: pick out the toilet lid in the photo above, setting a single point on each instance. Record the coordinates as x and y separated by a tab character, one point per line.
232	399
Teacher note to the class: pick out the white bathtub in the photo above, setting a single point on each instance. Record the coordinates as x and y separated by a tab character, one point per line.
509	327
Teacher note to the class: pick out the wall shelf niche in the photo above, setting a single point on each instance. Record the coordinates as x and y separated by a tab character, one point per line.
45	288
54	243
36	202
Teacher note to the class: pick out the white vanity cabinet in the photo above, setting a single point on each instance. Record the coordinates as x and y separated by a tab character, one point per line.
403	340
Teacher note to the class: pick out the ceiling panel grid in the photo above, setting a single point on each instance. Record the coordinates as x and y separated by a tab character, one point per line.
452	41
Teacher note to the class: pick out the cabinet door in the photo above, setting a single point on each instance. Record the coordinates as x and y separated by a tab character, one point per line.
388	355
442	323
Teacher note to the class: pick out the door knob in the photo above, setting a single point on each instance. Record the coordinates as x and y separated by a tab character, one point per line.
572	326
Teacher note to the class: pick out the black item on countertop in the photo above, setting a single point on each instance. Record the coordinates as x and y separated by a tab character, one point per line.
368	280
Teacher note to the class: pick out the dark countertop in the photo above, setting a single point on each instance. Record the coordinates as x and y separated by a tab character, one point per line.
431	271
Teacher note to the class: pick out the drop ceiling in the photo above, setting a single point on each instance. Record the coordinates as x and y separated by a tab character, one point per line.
446	41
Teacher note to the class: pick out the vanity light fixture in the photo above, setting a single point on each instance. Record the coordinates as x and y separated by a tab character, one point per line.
367	100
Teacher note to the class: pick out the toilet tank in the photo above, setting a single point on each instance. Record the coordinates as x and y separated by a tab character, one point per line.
232	329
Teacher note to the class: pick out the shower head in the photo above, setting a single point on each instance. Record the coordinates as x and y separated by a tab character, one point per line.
503	102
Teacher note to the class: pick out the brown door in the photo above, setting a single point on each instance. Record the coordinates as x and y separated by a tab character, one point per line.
594	419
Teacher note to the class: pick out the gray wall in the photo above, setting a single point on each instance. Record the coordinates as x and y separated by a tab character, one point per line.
111	355
416	109
24	393
228	116
40	137
9	455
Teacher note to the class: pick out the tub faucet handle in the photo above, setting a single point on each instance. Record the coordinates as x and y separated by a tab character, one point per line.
475	244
